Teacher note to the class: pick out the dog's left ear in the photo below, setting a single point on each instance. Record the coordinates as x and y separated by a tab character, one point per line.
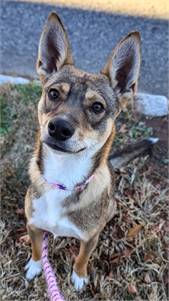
54	48
123	66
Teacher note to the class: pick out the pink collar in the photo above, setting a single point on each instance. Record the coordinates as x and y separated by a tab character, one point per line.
78	187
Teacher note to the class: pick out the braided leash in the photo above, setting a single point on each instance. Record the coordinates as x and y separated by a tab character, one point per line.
53	290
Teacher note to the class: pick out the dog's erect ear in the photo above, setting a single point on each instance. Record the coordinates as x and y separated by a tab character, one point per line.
54	49
123	65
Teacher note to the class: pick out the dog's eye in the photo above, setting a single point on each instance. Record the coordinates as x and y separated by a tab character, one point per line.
97	107
53	94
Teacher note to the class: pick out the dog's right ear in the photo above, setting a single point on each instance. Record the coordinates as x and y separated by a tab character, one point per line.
54	49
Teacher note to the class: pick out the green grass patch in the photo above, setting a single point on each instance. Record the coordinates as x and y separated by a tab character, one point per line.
131	129
29	92
13	99
5	120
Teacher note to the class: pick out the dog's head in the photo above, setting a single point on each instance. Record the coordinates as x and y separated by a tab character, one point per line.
77	110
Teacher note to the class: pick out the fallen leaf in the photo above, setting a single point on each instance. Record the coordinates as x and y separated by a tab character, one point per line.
127	252
132	289
20	211
25	239
166	227
149	256
21	229
147	278
123	129
116	258
157	227
110	275
134	231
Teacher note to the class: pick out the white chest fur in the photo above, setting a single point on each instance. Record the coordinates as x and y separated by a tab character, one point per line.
48	215
48	210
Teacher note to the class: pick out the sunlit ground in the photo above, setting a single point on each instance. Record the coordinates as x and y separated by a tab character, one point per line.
146	8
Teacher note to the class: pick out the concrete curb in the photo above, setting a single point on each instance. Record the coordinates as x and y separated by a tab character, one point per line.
5	79
151	105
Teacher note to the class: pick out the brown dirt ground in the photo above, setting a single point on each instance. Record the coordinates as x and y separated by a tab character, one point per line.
131	259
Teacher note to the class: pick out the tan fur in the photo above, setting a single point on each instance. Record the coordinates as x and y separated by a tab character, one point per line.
90	209
92	96
36	236
81	261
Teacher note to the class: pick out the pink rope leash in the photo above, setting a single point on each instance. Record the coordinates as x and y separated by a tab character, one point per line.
53	290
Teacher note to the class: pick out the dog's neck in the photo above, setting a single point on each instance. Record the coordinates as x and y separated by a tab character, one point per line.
67	169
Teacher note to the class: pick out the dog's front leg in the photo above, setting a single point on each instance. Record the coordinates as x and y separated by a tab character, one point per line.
34	267
79	274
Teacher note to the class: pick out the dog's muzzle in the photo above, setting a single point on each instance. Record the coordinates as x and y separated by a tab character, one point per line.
59	133
60	129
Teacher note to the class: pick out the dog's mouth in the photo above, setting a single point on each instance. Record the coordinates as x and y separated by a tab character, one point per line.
59	148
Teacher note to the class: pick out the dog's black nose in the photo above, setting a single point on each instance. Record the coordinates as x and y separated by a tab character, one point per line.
60	129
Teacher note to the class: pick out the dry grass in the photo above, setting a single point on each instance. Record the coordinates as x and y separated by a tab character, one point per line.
130	262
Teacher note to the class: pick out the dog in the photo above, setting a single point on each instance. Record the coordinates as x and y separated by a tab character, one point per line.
71	191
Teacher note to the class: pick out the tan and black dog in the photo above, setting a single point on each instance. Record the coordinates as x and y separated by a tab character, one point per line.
72	180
